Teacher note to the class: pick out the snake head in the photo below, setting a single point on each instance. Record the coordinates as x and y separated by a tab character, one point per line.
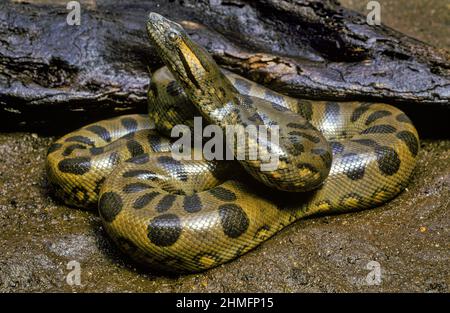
191	65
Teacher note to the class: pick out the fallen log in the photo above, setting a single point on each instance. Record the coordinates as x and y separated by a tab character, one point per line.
55	77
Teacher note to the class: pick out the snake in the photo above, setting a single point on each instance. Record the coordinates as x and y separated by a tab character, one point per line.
192	214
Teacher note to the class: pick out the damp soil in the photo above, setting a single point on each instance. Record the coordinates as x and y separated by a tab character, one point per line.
408	237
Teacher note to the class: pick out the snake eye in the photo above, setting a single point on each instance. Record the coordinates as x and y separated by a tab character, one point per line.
172	36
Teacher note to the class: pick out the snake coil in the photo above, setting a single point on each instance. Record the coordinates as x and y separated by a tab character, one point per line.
191	215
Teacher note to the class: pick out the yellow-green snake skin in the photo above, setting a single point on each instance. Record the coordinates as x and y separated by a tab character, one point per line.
192	215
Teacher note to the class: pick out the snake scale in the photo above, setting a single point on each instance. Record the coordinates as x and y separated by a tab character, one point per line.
191	215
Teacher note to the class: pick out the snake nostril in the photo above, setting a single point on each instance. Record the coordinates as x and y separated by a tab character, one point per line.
155	18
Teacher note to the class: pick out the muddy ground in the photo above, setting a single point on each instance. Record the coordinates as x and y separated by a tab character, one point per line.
408	237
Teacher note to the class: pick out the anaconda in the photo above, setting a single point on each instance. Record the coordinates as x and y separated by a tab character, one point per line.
191	215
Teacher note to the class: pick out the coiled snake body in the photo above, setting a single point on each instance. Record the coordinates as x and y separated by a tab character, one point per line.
191	215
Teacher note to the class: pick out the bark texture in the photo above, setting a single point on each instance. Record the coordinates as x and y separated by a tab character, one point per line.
54	77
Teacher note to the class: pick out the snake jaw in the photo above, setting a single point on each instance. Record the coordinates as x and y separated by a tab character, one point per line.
155	31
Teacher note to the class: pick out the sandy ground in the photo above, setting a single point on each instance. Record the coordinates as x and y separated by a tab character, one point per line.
408	237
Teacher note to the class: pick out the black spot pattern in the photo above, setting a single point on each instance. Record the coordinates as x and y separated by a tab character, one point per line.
247	101
79	196
278	107
354	165
305	109
255	118
332	110
128	246
296	148
98	185
192	203
110	204
171	262
233	219
143	200
175	166
143	174
307	166
80	139
209	255
53	148
305	135
324	202
336	147
324	155
174	89
114	158
222	194
134	148
377	115
140	159
358	112
410	140
241	250
261	233
274	98
382	194
388	160
136	187
165	203
128	136
69	149
379	129
242	86
154	141
402	117
221	92
354	196
96	150
300	126
77	166
164	230
130	124
153	92
100	131
366	142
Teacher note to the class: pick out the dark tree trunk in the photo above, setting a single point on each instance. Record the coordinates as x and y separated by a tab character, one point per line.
56	77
